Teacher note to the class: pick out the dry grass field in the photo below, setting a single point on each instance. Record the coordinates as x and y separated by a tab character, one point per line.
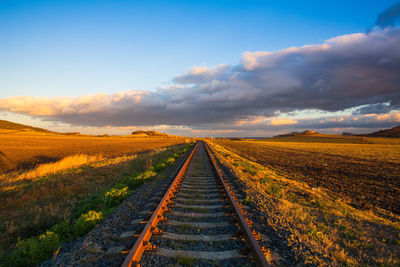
335	203
22	150
75	178
55	201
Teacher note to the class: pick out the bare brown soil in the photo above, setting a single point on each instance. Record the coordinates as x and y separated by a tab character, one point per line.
365	181
289	184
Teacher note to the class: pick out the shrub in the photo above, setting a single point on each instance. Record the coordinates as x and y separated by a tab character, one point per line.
139	179
87	221
275	190
170	160
63	229
115	196
160	166
147	174
34	250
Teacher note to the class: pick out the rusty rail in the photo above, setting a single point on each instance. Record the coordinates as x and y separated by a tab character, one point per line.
142	243
238	211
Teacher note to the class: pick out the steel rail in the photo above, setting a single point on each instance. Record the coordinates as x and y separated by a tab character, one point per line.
142	243
257	251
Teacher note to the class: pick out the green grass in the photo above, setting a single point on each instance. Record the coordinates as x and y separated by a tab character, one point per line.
87	221
36	249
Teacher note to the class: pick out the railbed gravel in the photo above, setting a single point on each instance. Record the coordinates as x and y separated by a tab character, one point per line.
198	219
199	210
151	259
196	230
199	246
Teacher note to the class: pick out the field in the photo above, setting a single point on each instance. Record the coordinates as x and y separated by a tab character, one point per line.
22	150
85	169
344	170
334	202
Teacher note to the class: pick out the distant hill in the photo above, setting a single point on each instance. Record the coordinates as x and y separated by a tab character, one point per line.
308	132
8	125
393	132
390	133
148	133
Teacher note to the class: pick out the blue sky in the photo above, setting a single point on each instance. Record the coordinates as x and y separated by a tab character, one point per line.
52	48
76	48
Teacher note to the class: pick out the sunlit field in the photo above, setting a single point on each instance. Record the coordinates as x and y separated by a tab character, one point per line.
343	169
82	178
23	150
339	199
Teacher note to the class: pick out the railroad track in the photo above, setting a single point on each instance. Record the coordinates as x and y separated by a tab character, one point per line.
198	221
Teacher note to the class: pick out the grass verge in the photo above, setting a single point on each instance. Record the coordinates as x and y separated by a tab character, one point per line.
93	200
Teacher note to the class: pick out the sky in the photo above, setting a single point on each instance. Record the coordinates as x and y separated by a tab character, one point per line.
200	68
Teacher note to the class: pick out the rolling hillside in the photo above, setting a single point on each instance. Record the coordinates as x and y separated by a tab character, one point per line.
8	125
393	133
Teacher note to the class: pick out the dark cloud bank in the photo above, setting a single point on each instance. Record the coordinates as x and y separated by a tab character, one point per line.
344	72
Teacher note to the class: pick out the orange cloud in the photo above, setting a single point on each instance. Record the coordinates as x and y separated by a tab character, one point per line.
282	121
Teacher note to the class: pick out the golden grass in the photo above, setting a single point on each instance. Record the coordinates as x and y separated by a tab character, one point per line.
30	204
321	229
25	150
63	164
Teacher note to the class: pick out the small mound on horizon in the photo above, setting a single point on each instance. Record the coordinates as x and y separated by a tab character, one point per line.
307	132
148	133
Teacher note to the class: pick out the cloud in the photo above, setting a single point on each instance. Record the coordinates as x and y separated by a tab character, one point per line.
282	121
389	16
199	74
278	124
377	108
356	70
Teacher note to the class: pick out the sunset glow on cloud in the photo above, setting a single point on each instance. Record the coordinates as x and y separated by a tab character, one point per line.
356	74
358	69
